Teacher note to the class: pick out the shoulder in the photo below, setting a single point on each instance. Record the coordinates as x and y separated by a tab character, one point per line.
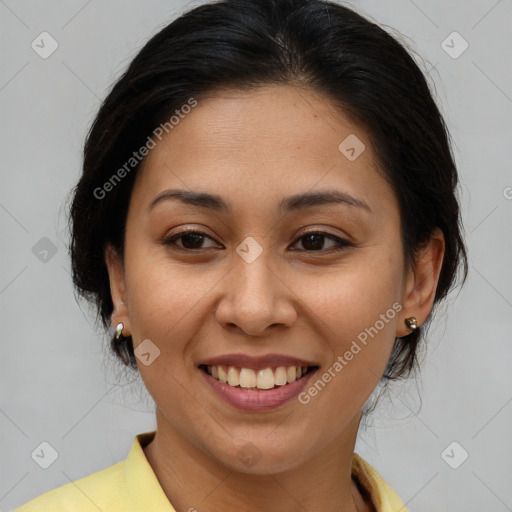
128	486
99	491
383	497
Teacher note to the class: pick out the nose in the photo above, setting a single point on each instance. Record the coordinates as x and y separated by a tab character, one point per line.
255	298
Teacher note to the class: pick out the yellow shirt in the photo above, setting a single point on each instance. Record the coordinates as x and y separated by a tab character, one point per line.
132	486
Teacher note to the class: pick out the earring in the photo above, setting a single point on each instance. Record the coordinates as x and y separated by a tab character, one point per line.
119	331
411	323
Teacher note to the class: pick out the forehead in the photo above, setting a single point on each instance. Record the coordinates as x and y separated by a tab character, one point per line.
268	123
263	143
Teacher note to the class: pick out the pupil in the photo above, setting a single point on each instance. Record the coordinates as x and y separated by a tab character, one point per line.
194	238
315	242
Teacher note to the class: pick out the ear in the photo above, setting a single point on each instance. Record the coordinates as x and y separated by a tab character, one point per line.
115	269
421	282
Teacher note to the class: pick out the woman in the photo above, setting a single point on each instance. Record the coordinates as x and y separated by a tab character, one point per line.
267	217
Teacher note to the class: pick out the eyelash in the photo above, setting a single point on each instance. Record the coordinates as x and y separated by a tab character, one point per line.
342	243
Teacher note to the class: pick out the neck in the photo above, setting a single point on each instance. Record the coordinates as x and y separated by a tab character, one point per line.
191	479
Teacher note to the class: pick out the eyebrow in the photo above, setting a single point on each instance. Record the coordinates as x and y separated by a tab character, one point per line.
296	202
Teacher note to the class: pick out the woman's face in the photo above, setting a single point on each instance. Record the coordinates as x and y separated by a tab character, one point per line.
253	290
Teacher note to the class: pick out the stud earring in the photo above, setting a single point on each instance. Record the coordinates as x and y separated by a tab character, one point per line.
411	323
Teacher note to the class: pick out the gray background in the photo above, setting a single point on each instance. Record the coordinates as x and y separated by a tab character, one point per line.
57	384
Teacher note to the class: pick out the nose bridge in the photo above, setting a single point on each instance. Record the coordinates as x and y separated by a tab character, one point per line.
254	284
255	298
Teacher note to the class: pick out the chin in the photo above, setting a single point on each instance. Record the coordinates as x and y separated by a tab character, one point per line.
257	455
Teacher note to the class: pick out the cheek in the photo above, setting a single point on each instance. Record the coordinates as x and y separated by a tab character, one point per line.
352	297
355	314
164	301
355	310
161	292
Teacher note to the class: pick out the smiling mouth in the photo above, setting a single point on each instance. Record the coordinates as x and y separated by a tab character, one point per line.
263	379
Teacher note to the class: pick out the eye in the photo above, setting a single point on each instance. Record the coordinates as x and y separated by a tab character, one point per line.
190	239
315	240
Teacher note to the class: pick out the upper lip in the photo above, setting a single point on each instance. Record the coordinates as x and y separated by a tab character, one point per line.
256	362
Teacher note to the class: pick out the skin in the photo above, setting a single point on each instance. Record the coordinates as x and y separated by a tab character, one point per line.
253	148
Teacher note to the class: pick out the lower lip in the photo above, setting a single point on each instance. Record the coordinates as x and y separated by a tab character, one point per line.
256	399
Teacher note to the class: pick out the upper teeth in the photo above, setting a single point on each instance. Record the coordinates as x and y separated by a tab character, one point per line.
266	378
